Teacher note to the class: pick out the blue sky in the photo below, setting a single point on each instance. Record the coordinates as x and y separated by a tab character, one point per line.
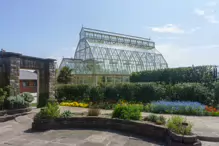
185	32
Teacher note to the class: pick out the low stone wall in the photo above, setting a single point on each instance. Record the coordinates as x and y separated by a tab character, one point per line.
143	129
6	115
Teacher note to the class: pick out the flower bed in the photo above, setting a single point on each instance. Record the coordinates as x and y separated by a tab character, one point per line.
181	107
74	104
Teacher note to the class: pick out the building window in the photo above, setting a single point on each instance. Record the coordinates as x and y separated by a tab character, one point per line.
29	83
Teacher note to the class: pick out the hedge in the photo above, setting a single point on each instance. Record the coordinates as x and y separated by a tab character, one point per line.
134	92
200	74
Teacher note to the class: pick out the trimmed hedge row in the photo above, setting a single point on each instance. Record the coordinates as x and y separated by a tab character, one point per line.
139	93
201	74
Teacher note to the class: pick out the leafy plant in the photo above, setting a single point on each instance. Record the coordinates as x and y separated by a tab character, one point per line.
93	112
151	118
176	75
127	112
64	76
161	120
175	124
15	102
51	111
66	114
27	97
2	97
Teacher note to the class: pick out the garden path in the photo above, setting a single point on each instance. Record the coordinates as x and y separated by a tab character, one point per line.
16	133
202	125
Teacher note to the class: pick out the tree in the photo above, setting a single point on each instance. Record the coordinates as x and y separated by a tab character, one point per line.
64	76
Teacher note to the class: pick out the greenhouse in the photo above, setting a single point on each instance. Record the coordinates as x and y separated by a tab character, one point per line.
103	56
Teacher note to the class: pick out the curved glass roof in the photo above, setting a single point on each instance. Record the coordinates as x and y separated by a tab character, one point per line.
106	53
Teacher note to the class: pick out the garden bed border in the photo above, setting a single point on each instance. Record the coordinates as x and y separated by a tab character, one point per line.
149	130
6	115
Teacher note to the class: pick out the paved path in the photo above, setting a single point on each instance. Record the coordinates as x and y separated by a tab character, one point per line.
15	133
203	126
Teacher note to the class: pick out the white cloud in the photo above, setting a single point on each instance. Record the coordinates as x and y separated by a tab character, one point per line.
177	56
199	12
208	12
168	28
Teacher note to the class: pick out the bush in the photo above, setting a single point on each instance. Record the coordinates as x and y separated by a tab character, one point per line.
16	102
93	112
72	92
51	111
127	112
2	97
151	118
66	114
201	74
27	97
137	93
175	124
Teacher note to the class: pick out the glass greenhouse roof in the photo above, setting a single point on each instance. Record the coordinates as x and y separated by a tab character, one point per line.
106	53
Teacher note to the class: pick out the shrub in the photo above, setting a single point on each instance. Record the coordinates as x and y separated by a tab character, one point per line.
27	97
72	92
159	120
127	112
66	114
132	92
93	112
191	92
199	74
15	102
151	118
175	124
2	97
51	111
216	93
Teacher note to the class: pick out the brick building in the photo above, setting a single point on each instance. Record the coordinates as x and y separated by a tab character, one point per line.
28	81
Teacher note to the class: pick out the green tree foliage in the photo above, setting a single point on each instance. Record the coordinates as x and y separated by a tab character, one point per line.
64	76
201	74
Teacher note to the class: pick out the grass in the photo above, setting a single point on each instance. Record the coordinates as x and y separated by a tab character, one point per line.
33	104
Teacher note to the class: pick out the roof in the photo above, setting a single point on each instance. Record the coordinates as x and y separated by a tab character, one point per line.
27	75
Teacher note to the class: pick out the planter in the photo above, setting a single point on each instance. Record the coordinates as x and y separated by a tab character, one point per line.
182	140
6	115
144	129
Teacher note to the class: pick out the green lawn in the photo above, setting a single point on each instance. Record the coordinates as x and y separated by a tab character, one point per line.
33	104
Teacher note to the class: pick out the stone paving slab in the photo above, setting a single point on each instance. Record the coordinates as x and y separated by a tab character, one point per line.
15	133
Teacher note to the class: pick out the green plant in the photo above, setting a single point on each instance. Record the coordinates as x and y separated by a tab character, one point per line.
175	124
2	97
93	112
15	102
151	118
161	120
127	112
64	76
176	75
50	111
27	97
66	114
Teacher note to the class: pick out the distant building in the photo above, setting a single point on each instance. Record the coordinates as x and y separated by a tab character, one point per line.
28	81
